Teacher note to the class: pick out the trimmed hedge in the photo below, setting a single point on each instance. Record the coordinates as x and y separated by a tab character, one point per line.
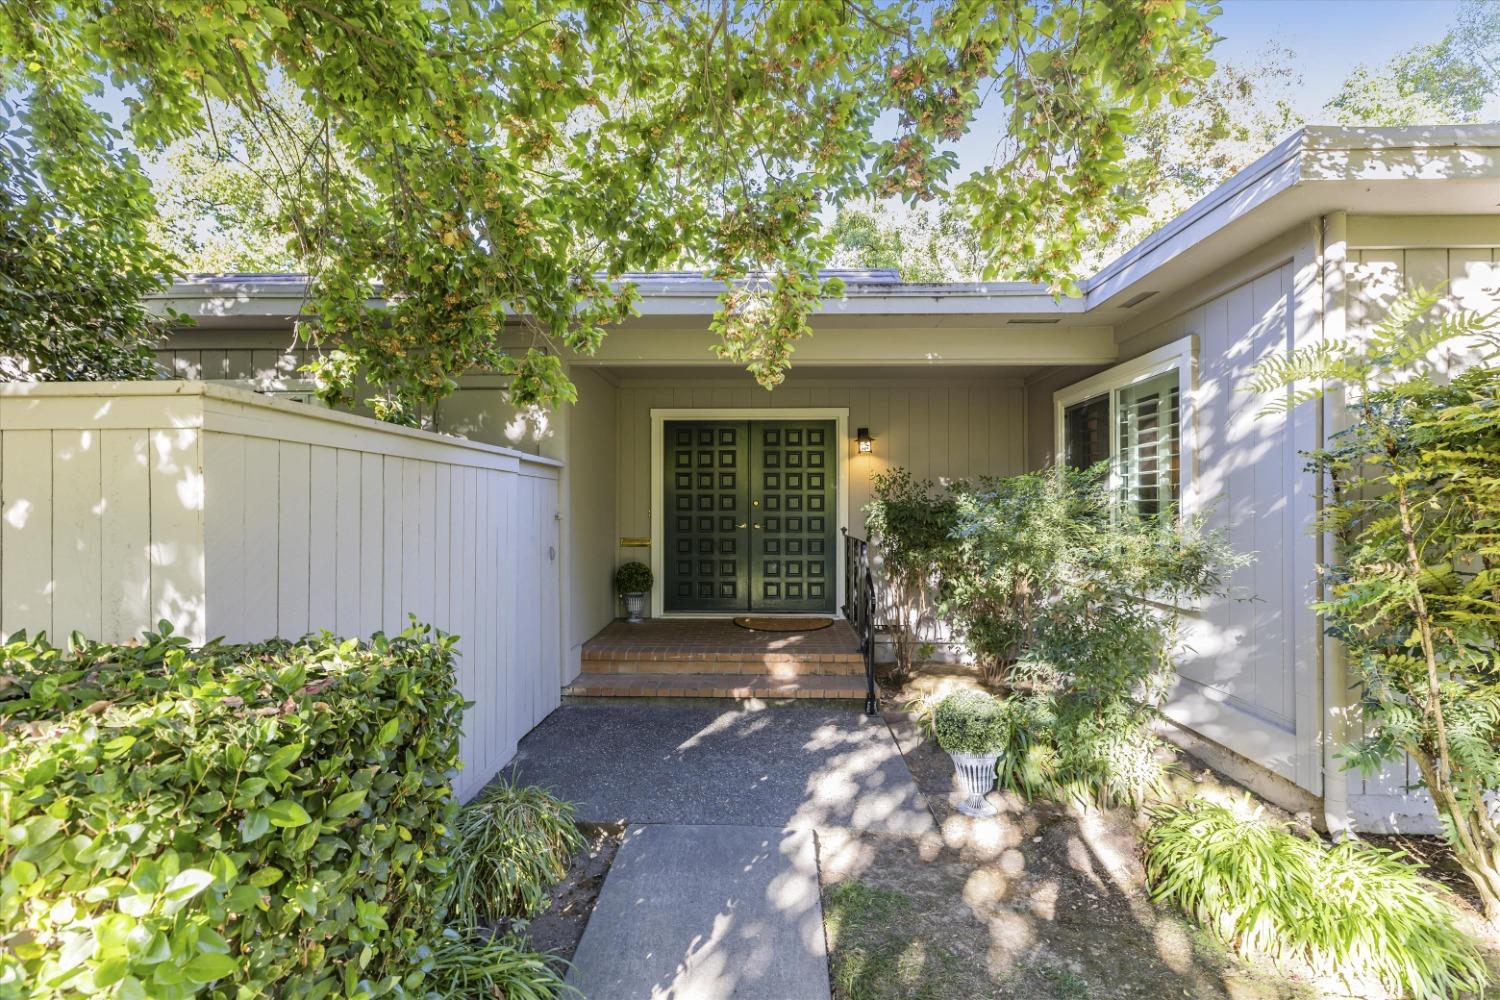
224	821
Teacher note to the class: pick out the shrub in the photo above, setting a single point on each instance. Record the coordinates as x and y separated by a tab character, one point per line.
1014	540
512	842
634	578
265	819
1053	583
970	721
1106	753
911	527
1350	910
1411	489
1063	747
1028	764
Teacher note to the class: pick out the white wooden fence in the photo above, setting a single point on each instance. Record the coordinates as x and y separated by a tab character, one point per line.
231	514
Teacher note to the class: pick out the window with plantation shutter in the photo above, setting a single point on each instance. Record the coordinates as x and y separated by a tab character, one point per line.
1131	416
1147	436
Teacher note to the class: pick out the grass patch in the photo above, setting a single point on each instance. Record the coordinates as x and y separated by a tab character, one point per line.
875	952
1064	984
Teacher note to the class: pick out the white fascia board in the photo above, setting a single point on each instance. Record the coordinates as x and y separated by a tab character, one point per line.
1269	176
1311	156
248	296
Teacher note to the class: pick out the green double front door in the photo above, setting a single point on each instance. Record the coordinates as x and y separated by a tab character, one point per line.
750	515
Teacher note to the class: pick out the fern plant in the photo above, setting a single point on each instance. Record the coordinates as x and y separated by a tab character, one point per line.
1350	910
1411	492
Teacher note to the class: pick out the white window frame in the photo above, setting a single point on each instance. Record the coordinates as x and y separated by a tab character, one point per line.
1180	356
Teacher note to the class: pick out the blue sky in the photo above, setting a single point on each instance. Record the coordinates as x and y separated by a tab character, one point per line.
1326	38
1329	37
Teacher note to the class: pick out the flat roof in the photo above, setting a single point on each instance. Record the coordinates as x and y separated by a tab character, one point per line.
1451	169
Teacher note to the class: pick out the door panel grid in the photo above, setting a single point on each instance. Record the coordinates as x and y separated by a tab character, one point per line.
750	516
706	516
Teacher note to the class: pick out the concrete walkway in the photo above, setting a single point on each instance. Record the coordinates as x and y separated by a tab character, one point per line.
697	912
714	892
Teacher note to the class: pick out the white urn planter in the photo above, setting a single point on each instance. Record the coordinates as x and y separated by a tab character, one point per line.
634	605
976	776
633	581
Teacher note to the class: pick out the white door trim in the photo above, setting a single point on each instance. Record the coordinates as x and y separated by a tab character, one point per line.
659	416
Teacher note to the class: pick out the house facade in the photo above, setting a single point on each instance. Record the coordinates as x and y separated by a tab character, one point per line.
738	497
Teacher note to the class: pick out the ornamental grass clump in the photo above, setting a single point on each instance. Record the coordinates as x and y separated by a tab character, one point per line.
512	843
1350	910
234	820
463	965
969	721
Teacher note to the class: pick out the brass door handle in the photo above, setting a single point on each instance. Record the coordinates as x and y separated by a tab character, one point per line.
743	524
756	525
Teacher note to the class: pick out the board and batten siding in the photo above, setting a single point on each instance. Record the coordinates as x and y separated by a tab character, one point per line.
1248	677
953	428
1378	275
232	515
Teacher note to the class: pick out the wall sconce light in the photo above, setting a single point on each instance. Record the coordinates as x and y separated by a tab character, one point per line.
866	443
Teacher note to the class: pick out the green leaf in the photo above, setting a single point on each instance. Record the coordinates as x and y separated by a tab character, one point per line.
255	825
208	967
242	898
345	804
284	756
148	946
267	876
183	886
24	872
286	813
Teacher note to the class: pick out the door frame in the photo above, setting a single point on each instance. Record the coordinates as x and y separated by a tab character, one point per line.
659	416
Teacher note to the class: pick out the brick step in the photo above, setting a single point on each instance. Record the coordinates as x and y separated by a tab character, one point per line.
659	685
771	664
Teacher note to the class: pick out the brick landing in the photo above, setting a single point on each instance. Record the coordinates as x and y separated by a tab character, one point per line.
715	658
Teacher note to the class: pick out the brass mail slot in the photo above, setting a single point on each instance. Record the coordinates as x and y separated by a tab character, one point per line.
635	543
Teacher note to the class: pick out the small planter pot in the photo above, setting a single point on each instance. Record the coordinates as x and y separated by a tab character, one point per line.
634	605
976	775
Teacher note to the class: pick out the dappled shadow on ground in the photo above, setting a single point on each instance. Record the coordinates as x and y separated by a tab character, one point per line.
1042	901
708	913
798	767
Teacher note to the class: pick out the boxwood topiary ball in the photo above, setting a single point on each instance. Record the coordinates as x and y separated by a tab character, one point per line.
971	721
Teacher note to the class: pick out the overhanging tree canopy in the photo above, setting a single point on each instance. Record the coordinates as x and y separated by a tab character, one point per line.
484	160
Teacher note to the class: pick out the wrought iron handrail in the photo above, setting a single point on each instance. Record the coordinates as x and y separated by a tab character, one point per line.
859	607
